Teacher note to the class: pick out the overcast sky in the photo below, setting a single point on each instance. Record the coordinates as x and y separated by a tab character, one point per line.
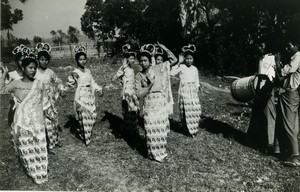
42	16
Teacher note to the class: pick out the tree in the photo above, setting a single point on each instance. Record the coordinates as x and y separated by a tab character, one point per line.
37	39
9	18
147	20
58	36
73	34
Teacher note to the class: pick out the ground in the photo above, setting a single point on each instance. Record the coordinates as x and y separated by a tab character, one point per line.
217	159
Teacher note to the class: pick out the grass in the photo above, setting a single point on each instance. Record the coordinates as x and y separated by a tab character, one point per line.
218	159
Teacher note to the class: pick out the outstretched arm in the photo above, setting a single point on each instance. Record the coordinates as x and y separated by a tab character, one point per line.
172	58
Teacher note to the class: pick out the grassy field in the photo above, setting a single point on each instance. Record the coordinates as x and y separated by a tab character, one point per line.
218	159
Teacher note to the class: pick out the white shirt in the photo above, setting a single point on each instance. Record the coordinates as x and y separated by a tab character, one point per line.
267	66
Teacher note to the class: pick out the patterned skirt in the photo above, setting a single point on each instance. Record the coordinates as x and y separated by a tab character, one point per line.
86	113
156	121
52	127
189	107
31	147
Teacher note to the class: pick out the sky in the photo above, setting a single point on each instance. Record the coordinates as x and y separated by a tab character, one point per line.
42	16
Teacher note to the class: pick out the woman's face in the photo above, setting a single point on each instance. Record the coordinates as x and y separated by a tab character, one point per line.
159	59
144	62
189	59
291	48
19	62
43	62
81	61
30	70
261	48
131	60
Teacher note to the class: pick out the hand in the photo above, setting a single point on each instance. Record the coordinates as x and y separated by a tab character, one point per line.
4	70
180	58
125	63
162	46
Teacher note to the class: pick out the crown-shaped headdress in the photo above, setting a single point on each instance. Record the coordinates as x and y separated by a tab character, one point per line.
189	47
148	48
43	47
79	49
127	49
28	53
18	49
25	51
159	50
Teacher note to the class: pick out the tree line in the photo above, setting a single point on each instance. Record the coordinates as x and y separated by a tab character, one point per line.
225	32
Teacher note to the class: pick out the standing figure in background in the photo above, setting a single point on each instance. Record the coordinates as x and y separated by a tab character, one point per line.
28	127
261	129
84	101
288	106
15	75
189	103
130	104
165	72
149	88
53	87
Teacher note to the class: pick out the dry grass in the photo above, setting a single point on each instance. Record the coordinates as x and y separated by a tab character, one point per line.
218	159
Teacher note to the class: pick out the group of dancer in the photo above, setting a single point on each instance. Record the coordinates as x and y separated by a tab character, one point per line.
274	123
35	89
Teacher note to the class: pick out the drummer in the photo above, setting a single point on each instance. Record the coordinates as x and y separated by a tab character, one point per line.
288	105
261	129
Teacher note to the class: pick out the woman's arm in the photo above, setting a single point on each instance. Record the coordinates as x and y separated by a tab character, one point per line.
5	88
172	58
141	90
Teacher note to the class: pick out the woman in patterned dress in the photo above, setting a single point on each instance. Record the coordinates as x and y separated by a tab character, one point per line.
28	127
84	101
53	87
130	102
189	104
149	87
166	65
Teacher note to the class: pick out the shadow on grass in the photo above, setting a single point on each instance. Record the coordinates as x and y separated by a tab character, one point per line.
135	141
229	132
178	128
73	125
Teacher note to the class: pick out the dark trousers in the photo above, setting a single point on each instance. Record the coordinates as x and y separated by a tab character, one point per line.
261	129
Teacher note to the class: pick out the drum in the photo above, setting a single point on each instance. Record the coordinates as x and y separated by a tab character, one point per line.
248	88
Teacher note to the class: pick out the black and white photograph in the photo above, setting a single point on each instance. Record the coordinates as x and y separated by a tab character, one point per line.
150	95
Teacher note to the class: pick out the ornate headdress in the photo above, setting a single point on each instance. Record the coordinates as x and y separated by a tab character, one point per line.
189	48
29	53
158	50
79	49
18	49
43	47
148	48
25	51
127	49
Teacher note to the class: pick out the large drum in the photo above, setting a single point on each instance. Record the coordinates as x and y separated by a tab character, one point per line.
248	88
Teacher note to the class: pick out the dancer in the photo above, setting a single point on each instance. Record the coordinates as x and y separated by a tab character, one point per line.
189	104
165	72
28	127
53	88
149	87
84	101
130	104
